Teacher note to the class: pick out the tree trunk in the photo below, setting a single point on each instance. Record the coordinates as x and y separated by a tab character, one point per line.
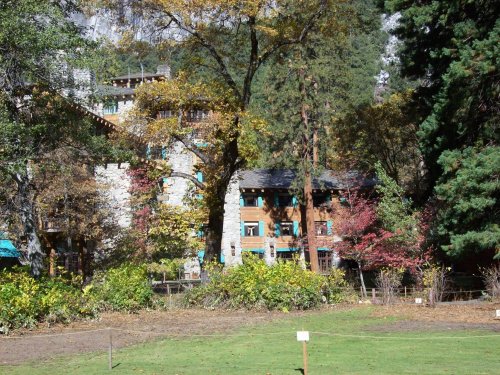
310	225
362	280
307	155
27	211
214	236
215	228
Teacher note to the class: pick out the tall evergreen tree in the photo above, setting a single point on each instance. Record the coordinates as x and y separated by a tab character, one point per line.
452	47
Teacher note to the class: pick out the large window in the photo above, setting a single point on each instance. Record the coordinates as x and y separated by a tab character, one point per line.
325	260
251	228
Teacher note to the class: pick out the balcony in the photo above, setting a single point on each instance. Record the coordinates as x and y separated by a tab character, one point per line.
54	224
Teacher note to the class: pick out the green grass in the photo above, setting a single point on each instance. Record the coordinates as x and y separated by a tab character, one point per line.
273	349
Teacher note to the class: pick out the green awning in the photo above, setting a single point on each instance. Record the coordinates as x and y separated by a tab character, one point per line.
7	249
286	249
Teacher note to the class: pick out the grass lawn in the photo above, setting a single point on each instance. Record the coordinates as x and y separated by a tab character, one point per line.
273	349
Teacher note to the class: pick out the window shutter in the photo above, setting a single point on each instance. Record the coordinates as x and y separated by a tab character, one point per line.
242	229
242	201
329	224
276	199
294	201
296	228
261	229
163	152
148	152
277	229
165	180
328	199
260	201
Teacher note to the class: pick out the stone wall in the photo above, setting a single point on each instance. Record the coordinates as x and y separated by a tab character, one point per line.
181	160
231	232
116	185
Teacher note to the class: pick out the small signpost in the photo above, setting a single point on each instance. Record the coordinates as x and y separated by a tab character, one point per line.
418	301
497	314
304	337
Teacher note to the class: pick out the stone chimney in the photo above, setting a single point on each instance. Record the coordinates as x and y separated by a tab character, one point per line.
163	69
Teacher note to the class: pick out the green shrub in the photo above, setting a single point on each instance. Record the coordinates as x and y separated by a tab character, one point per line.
283	286
125	288
24	301
336	288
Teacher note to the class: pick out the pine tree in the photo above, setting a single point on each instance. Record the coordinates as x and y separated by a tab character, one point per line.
452	47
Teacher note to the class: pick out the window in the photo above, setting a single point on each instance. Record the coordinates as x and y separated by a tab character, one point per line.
197	115
155	152
320	200
286	228
166	114
285	200
110	108
250	200
251	229
321	228
325	260
285	255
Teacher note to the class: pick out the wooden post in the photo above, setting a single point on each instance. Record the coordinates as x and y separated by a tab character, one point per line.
52	262
373	295
405	292
110	352
304	350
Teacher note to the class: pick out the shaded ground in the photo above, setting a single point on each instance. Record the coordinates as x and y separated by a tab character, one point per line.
46	343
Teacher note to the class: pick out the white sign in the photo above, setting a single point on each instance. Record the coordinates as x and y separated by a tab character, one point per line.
498	314
302	335
418	301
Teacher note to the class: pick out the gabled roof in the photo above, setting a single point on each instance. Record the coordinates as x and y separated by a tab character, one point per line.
106	90
283	178
138	76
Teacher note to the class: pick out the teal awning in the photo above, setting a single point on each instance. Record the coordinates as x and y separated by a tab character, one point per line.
7	249
286	249
323	249
255	251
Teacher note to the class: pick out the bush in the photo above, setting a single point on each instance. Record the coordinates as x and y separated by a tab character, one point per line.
125	288
283	286
491	279
388	281
25	301
336	289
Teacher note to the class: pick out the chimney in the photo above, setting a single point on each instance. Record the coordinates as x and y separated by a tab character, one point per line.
163	69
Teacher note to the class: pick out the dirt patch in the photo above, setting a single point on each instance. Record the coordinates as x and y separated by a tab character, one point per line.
440	318
46	343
